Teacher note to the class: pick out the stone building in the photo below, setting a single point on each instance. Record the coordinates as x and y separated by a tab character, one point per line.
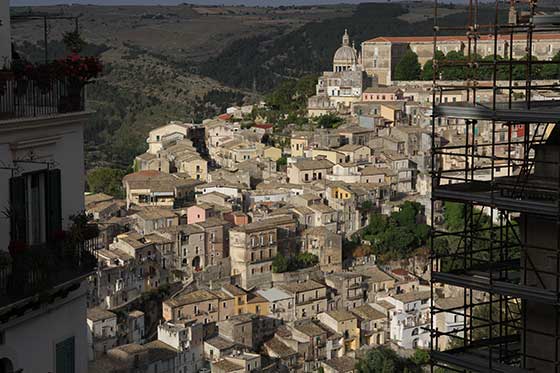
381	55
326	245
339	88
348	289
344	323
309	298
252	250
102	331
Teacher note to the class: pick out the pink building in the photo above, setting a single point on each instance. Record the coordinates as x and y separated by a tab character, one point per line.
382	93
199	213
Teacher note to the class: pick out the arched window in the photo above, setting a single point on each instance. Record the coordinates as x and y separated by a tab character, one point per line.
415	331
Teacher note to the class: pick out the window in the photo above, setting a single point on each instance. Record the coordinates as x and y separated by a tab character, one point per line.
65	356
35	199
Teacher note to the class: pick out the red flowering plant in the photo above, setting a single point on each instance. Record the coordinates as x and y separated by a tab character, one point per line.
77	69
17	247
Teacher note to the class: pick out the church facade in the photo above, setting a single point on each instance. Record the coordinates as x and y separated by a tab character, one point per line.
336	90
353	71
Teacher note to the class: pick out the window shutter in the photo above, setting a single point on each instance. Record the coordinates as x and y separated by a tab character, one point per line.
65	356
18	226
53	202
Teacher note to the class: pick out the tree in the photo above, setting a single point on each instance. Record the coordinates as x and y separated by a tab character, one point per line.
106	180
454	72
384	360
552	71
279	264
329	121
420	357
281	162
396	236
73	41
428	70
408	67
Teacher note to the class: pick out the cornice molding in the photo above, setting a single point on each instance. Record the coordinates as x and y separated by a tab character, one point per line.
20	124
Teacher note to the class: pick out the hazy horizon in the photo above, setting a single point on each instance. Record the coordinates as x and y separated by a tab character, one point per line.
202	2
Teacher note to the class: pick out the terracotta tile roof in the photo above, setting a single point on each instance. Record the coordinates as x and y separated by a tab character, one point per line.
263	126
225	116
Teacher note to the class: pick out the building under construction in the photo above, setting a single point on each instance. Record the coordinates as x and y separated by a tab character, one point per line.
503	259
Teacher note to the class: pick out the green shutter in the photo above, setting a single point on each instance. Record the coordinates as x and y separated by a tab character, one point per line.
53	202
18	228
65	356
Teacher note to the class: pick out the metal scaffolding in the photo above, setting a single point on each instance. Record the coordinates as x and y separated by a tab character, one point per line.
500	176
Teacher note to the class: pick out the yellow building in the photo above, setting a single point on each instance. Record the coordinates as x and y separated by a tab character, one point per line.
344	323
339	192
334	156
298	144
239	298
272	153
257	305
244	302
194	166
391	112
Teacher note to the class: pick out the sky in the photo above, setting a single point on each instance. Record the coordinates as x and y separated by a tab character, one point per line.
206	2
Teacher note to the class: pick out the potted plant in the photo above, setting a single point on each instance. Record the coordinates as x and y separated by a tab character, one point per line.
16	247
78	71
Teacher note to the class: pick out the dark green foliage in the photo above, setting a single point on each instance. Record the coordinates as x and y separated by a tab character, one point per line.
480	241
106	180
384	360
396	236
282	162
428	70
279	264
215	102
420	357
485	70
367	206
73	41
552	71
329	121
291	95
454	214
301	260
266	60
288	102
408	68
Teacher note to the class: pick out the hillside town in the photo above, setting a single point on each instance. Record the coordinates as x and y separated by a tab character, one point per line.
253	244
385	232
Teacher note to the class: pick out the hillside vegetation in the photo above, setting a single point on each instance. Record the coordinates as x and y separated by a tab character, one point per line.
309	49
188	63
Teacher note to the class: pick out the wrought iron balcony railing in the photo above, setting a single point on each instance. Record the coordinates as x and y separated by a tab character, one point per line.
36	270
22	97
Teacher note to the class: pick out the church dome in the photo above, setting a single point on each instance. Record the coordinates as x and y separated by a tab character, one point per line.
346	55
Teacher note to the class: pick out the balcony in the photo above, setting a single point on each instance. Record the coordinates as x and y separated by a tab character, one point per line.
43	270
37	90
25	98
